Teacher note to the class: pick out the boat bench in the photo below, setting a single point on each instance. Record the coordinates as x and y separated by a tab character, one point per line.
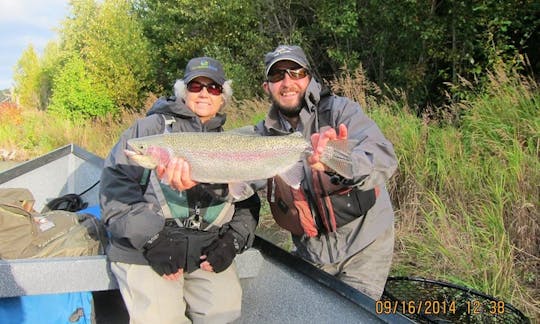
23	277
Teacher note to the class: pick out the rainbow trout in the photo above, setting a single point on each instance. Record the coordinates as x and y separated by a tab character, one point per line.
234	156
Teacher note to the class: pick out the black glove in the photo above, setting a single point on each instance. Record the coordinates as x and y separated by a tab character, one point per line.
220	254
166	251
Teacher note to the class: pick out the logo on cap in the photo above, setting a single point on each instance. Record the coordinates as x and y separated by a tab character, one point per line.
204	64
282	50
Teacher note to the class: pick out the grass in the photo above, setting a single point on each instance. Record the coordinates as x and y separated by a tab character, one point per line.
466	193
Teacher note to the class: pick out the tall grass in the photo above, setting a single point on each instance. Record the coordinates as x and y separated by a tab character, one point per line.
470	212
39	133
466	194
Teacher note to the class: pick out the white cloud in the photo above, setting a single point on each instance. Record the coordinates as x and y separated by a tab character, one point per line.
40	14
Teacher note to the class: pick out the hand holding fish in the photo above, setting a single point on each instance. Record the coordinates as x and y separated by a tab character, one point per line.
171	170
319	142
176	173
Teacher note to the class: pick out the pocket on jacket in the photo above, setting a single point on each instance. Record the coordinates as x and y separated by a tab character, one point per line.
352	204
197	241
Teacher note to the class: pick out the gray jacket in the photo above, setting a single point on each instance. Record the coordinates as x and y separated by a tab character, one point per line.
374	161
130	208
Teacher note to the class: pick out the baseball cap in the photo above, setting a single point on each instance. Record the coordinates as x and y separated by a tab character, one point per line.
204	66
286	53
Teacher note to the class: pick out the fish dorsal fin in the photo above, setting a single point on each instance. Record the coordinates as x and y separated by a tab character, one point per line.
294	175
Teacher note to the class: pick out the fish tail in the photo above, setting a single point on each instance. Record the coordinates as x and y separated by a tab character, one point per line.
337	156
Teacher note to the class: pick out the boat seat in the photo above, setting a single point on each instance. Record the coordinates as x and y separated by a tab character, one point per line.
23	277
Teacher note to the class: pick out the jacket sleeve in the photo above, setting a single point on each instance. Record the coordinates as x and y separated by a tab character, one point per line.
128	216
373	158
244	222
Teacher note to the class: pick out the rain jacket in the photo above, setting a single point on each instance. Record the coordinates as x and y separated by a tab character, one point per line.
130	207
374	161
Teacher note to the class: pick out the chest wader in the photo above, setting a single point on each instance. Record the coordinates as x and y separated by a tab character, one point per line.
316	207
197	213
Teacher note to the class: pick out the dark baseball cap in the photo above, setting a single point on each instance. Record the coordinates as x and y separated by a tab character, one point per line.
206	67
286	53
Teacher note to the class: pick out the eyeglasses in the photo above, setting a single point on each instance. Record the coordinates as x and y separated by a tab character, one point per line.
212	88
279	74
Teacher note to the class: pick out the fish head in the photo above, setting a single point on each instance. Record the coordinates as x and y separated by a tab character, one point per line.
146	161
138	145
146	153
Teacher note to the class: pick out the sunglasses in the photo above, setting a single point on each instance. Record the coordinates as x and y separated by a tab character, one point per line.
279	74
212	88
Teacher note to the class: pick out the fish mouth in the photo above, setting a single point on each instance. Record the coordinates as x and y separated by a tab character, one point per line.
136	147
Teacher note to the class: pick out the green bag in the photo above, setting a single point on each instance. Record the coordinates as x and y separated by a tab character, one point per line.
25	233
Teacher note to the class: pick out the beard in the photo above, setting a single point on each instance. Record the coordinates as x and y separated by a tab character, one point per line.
288	111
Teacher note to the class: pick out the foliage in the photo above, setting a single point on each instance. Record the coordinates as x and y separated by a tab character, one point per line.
420	47
470	194
77	95
227	30
425	50
27	79
51	64
110	41
10	113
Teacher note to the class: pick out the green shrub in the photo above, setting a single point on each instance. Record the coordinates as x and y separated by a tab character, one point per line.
76	95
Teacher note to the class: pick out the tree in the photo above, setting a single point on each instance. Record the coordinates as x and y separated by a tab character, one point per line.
111	43
77	95
51	64
227	30
27	79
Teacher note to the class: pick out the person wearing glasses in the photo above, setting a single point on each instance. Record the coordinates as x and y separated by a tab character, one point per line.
344	226
172	240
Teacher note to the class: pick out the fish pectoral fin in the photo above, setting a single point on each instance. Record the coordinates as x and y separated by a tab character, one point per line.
294	175
239	191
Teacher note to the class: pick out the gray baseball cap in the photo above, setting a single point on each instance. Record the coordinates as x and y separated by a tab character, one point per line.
204	66
286	53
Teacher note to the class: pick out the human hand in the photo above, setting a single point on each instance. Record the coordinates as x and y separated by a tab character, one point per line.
176	173
173	276
219	255
166	253
319	142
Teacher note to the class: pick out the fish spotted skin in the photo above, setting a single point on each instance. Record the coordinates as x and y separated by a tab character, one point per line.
229	157
223	157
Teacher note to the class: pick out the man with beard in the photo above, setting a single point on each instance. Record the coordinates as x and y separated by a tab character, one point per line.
342	225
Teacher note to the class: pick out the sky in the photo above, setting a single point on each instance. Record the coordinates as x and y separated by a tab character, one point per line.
25	22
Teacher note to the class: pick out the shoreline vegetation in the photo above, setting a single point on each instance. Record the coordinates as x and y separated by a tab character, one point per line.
466	193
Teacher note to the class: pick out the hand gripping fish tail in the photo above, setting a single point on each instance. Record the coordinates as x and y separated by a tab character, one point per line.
337	156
